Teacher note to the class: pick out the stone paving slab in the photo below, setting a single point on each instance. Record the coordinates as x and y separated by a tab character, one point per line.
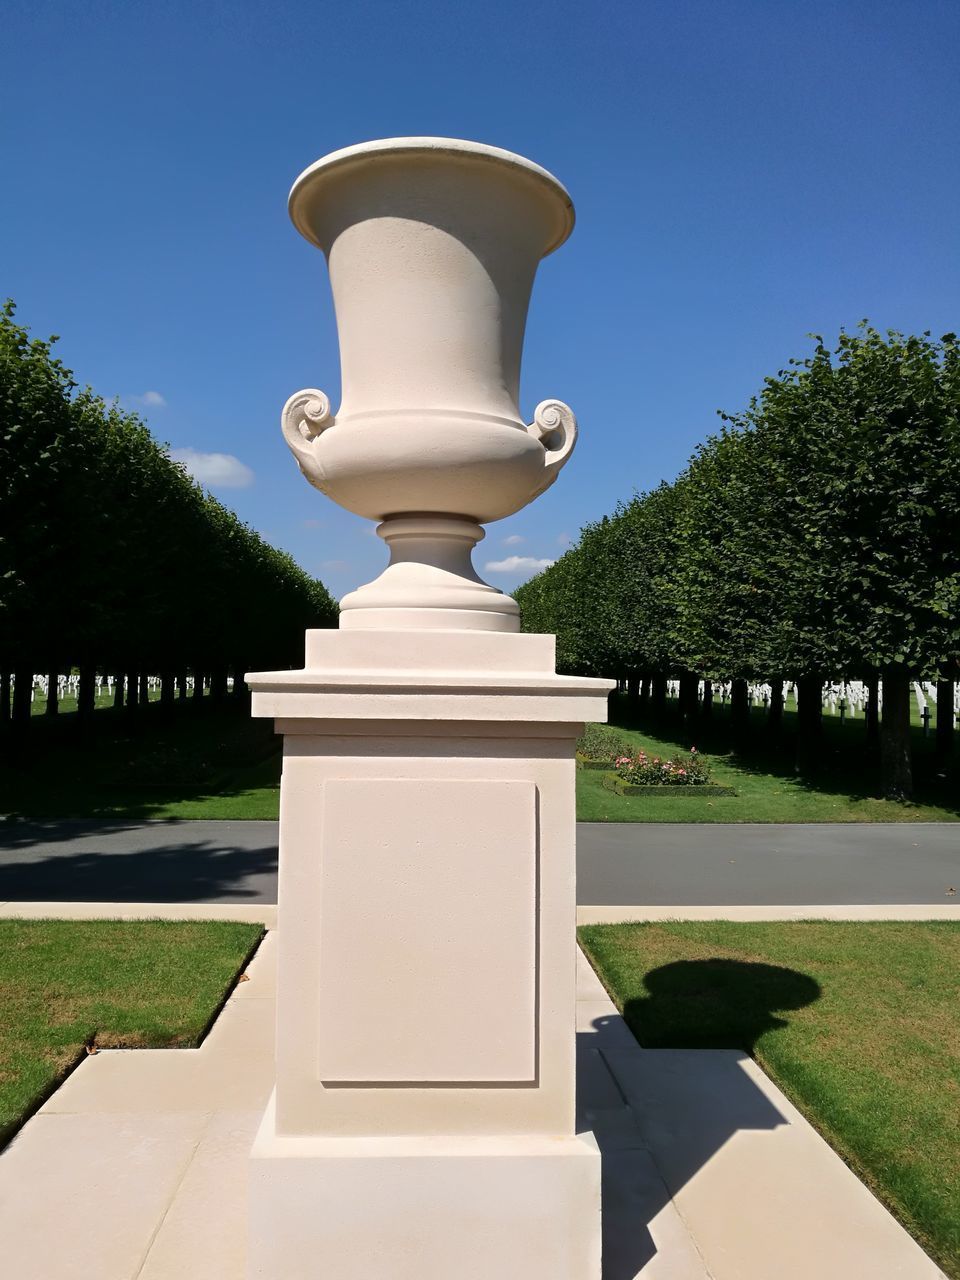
136	1168
82	1195
750	912
264	913
203	1232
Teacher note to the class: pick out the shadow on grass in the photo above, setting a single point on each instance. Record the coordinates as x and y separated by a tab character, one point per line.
716	1004
848	765
136	769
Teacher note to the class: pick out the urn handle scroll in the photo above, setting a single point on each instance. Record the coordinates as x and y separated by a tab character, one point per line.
555	427
305	415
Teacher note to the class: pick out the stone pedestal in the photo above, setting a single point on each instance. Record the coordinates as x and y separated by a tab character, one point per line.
423	1120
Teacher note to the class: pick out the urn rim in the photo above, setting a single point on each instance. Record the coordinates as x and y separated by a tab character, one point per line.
360	152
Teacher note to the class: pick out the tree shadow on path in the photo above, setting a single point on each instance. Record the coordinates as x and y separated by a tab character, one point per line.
187	870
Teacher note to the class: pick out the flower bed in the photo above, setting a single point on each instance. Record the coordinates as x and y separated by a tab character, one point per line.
641	769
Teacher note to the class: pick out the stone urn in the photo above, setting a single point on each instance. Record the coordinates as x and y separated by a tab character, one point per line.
432	246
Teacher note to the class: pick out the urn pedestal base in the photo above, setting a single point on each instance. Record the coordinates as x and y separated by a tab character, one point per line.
430	583
423	1119
424	1208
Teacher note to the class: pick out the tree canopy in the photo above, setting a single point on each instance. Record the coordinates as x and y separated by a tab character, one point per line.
815	536
111	556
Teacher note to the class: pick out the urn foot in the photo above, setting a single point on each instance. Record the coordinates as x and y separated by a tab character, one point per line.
430	582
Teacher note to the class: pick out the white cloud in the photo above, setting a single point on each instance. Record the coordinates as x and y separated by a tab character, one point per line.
216	470
514	540
150	400
564	540
517	564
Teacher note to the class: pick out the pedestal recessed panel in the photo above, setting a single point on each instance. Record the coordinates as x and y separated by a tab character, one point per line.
428	932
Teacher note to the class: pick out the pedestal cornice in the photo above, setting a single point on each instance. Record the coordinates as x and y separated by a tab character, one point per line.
428	676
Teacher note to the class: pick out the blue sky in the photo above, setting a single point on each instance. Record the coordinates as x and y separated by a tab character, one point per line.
744	174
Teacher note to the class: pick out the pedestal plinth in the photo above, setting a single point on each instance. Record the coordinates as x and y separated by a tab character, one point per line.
423	1120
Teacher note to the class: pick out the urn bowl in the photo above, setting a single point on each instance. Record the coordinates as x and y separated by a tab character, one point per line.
432	246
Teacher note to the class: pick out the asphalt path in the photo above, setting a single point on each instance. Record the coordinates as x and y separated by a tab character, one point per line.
746	864
629	864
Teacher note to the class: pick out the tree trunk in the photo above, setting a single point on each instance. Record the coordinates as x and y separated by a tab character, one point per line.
4	697
22	689
167	689
706	707
143	696
775	710
118	689
644	693
197	688
86	693
239	684
895	767
809	723
131	702
872	713
687	697
633	686
944	720
218	684
181	685
739	709
53	695
658	691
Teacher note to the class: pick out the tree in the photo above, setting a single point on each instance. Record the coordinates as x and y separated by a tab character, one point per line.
112	557
861	457
608	599
817	535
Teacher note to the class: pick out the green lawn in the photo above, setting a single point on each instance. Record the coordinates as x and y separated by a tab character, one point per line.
857	1023
103	701
204	762
66	985
768	789
68	703
217	762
